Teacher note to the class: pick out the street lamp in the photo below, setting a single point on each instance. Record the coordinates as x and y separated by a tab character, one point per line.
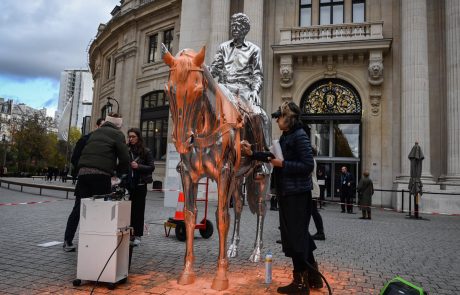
109	104
4	151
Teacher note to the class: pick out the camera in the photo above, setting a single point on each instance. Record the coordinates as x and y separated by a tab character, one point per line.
276	114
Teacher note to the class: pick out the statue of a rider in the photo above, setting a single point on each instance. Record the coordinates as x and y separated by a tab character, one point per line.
238	62
238	66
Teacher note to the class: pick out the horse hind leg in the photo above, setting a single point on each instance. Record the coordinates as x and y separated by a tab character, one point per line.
257	190
238	208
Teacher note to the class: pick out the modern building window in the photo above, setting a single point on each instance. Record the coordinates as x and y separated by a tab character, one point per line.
153	45
168	39
331	12
359	11
154	123
305	13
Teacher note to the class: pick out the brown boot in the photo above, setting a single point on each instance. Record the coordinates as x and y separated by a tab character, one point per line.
297	286
313	278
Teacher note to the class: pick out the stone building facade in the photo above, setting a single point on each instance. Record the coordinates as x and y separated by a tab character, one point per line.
372	78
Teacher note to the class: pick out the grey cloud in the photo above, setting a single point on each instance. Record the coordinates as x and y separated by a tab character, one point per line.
43	37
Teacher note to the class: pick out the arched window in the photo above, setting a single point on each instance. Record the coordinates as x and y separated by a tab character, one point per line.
154	123
331	97
331	108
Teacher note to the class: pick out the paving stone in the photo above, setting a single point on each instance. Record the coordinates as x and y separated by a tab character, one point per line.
358	257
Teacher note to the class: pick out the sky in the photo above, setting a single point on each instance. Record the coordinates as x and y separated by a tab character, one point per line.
41	38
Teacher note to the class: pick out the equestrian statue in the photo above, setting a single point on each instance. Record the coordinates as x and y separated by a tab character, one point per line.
210	120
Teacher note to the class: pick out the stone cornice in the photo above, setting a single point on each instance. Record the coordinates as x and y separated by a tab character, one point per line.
339	47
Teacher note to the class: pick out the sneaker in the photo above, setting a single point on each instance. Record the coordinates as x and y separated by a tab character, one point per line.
137	241
68	247
319	236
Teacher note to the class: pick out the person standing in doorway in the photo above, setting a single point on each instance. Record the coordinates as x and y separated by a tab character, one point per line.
140	174
321	176
365	191
346	190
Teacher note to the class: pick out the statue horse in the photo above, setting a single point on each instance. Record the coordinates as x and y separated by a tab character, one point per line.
208	126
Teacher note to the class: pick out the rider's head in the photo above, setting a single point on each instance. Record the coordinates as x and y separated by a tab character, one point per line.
239	25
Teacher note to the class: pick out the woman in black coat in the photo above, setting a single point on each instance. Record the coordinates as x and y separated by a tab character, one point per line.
140	174
293	187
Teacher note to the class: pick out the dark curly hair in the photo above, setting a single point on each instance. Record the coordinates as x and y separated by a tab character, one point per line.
139	148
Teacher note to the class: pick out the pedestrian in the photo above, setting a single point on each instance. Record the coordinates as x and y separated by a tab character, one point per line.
321	176
65	171
104	153
140	174
346	190
314	204
293	187
365	191
273	198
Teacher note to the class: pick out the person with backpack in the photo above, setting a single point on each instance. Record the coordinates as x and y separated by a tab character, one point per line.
79	146
104	152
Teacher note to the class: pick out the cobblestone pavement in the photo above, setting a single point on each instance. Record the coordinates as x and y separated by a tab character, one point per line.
358	256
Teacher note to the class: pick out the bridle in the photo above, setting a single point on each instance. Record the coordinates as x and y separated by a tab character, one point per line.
201	141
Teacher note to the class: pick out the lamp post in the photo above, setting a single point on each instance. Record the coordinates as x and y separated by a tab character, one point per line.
109	104
4	151
67	156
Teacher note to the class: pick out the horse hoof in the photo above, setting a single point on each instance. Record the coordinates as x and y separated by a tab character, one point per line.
232	251
186	279
219	284
255	256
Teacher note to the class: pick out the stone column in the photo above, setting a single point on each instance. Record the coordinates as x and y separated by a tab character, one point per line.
452	10
415	117
254	9
220	25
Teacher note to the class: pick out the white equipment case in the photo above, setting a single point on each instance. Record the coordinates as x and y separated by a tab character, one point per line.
103	225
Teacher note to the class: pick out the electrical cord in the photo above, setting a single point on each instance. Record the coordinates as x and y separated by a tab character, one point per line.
121	240
324	278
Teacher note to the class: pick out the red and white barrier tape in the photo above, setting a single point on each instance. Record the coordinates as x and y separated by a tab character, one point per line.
28	203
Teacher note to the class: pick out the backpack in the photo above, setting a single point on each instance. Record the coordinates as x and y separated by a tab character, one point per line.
77	151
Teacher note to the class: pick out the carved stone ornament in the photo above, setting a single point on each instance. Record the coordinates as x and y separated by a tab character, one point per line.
330	72
375	98
375	72
286	76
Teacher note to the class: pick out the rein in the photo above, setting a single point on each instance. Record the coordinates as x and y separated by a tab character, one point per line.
219	132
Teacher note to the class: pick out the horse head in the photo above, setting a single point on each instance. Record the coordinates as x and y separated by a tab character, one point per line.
185	89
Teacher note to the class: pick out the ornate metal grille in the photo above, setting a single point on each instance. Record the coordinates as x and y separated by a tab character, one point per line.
331	96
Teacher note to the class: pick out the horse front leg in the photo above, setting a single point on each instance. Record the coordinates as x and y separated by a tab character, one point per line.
190	190
238	208
257	188
224	188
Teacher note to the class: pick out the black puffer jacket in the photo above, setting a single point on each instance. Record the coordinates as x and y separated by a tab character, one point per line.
295	175
105	147
146	167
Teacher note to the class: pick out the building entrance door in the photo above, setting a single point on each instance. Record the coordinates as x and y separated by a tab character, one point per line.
329	176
